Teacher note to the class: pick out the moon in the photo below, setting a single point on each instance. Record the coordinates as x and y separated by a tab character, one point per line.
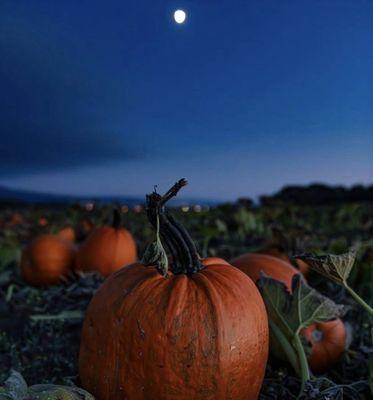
180	16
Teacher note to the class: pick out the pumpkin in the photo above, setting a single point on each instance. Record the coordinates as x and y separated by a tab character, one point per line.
46	260
68	233
252	264
107	249
16	219
195	330
328	339
301	265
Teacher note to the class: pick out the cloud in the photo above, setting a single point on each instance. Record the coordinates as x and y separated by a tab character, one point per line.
58	109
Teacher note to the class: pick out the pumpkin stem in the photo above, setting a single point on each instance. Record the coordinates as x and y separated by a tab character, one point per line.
185	258
117	220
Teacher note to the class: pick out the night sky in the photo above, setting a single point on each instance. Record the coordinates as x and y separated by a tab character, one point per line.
112	97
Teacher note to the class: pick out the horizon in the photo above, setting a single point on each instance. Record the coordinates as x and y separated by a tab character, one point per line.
180	198
241	99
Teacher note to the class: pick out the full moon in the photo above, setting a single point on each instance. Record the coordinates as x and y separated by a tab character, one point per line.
179	16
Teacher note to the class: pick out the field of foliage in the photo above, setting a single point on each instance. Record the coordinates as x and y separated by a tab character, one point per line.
40	328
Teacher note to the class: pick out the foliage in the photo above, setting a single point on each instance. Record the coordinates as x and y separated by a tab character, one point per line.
15	388
289	313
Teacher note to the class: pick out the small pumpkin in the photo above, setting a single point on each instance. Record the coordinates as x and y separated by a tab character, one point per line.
328	339
68	233
197	330
107	249
46	260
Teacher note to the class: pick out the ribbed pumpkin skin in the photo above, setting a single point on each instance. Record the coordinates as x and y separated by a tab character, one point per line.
252	264
197	337
106	250
327	350
46	259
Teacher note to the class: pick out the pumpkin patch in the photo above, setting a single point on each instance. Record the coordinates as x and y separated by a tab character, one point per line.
183	322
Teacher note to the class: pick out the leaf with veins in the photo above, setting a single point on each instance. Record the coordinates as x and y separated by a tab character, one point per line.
335	267
292	312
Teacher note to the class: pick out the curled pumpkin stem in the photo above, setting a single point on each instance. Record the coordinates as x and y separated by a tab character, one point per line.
185	258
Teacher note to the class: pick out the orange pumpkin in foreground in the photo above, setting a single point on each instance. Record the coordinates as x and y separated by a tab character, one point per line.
328	339
46	260
107	249
199	333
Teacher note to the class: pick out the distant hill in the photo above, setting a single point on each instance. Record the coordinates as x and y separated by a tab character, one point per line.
318	194
14	196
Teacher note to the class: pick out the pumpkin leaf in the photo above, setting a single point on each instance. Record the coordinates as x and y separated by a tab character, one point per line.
335	267
289	313
15	387
58	392
155	255
292	312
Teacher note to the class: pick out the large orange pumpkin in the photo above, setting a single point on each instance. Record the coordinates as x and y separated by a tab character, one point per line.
46	260
328	339
107	249
201	332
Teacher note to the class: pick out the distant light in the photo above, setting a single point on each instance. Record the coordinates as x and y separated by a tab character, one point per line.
197	208
185	208
137	208
180	16
89	206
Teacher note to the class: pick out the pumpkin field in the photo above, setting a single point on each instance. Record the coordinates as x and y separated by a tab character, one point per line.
236	301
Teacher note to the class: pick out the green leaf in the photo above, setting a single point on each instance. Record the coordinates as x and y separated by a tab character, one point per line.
58	392
156	255
289	313
15	387
292	312
335	267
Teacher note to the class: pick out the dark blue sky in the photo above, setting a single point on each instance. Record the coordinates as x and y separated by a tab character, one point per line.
111	97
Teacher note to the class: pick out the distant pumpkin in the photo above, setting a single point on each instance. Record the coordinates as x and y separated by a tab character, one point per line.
46	260
107	249
68	233
328	339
